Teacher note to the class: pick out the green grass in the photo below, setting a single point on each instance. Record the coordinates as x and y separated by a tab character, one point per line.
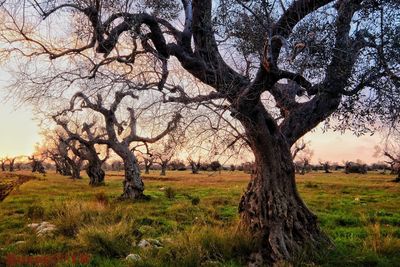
359	212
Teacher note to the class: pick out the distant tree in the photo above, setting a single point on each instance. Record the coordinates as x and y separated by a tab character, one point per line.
3	162
326	166
177	165
54	148
167	149
11	162
248	167
195	165
355	167
37	165
300	145
117	165
215	165
303	153
391	152
148	162
205	166
232	167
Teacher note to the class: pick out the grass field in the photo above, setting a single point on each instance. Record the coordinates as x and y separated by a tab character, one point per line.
195	218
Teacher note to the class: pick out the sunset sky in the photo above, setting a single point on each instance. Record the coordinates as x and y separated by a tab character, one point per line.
19	133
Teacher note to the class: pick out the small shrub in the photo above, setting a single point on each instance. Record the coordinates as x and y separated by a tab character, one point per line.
70	216
35	212
170	193
195	201
347	221
68	219
101	197
380	243
310	185
215	166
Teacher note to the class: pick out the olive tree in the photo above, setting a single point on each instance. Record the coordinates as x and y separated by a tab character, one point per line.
85	136
118	135
313	59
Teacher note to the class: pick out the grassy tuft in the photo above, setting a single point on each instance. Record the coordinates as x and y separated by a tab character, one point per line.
35	212
111	240
170	193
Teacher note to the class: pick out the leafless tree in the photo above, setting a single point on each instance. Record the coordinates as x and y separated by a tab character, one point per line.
326	166
56	147
37	165
3	162
195	164
167	149
344	62
391	153
297	147
147	156
11	162
73	160
85	135
148	162
133	185
303	153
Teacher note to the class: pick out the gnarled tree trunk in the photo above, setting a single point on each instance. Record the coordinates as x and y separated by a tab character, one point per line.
75	169
132	185
95	173
164	166
271	208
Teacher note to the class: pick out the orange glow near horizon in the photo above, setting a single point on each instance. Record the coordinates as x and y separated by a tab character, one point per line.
19	134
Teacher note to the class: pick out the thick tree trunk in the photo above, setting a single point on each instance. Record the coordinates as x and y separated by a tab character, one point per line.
271	208
146	169
76	171
163	169
195	170
95	173
133	184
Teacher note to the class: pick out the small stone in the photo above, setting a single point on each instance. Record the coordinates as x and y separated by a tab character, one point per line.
43	228
155	242
162	188
144	244
133	257
33	225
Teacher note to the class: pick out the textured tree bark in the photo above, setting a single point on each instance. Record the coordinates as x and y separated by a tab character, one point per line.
95	173
76	170
147	165
133	186
163	169
195	170
146	169
271	208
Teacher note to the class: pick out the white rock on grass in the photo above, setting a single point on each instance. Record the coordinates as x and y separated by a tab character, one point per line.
155	243
133	257
33	225
150	243
144	244
43	228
